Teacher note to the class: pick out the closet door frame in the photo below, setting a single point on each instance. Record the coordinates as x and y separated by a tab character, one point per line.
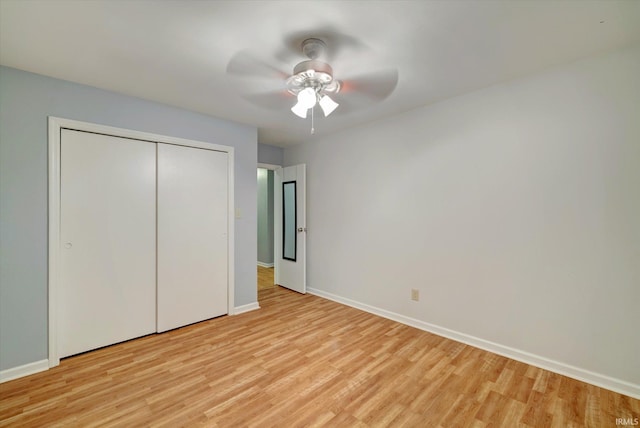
56	125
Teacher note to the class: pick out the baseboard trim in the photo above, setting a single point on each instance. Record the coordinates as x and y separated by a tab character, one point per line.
573	372
265	265
24	370
246	308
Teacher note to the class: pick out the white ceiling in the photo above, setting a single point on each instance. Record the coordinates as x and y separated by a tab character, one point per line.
177	52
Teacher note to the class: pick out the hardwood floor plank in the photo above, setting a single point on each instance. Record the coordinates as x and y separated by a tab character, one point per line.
302	361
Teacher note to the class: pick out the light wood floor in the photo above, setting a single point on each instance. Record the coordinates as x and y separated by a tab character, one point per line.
265	278
303	361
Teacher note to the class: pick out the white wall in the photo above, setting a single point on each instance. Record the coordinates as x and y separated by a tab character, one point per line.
265	216
26	100
515	210
270	154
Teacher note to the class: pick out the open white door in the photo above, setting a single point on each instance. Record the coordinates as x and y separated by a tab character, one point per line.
290	229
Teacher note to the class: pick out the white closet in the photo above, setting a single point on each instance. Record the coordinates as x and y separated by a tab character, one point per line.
192	235
108	237
143	234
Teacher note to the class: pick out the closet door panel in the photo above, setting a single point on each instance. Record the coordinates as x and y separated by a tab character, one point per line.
192	235
108	241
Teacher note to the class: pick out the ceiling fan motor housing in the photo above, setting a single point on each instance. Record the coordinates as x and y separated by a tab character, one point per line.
313	73
312	48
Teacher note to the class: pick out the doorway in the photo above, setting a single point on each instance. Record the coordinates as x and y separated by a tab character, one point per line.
266	215
287	215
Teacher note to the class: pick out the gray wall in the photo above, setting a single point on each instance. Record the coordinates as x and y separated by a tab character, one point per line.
515	210
270	154
265	216
25	102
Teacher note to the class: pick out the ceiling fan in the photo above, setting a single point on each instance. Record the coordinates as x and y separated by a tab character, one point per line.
312	82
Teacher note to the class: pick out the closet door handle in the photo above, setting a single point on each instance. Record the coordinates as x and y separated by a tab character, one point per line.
68	245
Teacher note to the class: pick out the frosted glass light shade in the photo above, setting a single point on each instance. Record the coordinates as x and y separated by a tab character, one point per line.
307	97
327	105
300	110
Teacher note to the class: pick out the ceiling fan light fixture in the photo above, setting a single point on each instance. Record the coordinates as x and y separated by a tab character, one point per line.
312	81
307	97
327	105
300	110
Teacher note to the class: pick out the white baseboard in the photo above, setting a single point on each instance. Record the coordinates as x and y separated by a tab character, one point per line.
246	308
577	373
24	370
265	265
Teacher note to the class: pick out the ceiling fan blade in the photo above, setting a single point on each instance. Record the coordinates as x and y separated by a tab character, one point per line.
362	91
376	86
337	44
258	82
275	100
253	85
350	103
245	64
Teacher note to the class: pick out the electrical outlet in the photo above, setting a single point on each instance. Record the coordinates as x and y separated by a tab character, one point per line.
415	294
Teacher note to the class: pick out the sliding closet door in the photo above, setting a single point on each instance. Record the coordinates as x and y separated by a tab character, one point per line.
108	241
192	235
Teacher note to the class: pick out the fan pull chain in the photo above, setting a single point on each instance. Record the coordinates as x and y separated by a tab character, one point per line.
313	130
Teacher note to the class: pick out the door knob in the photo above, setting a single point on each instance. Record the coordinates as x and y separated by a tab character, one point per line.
302	229
67	245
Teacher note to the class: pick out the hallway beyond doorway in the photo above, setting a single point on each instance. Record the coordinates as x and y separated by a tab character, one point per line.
265	278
